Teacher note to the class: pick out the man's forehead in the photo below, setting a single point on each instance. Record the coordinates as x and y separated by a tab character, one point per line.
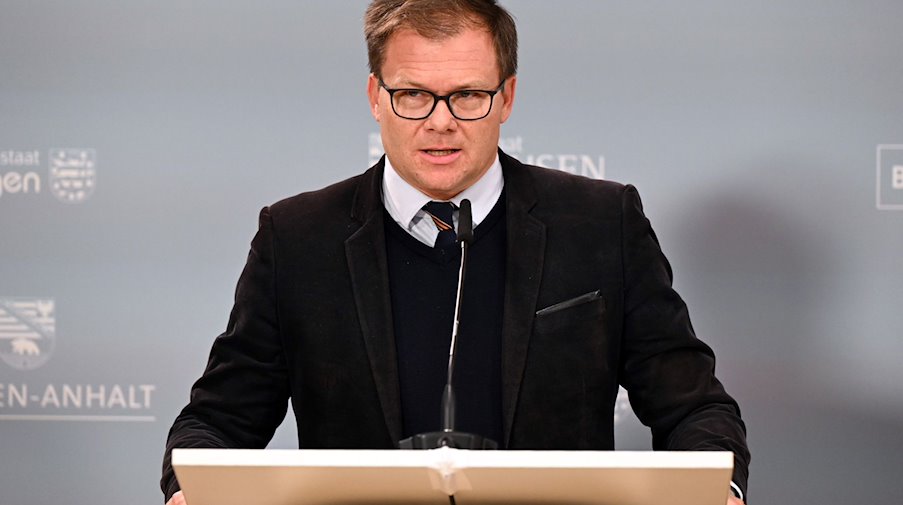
465	59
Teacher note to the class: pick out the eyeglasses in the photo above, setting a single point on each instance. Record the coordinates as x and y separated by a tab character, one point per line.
466	104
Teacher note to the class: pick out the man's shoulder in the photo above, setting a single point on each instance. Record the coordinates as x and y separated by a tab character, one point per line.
550	178
326	204
557	188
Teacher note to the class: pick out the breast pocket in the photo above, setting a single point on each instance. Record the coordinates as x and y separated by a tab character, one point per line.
582	314
571	330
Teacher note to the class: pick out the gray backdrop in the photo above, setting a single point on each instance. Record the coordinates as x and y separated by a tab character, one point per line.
139	139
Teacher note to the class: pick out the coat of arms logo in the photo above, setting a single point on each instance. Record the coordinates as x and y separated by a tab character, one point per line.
27	331
73	174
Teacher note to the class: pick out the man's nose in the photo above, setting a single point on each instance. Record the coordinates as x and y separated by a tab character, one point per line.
441	119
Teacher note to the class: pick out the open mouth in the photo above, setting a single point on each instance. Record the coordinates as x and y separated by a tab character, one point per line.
440	152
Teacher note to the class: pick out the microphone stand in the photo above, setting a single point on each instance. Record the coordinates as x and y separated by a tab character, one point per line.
448	436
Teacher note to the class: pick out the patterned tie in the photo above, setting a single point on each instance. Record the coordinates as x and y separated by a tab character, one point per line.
442	213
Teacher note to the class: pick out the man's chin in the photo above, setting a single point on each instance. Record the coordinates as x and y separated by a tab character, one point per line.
439	191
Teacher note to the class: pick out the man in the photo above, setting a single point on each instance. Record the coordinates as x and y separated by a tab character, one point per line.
345	304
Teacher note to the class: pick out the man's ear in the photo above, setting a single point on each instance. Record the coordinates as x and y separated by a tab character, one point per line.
508	93
373	95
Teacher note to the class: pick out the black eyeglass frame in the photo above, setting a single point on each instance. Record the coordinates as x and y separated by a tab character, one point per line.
444	98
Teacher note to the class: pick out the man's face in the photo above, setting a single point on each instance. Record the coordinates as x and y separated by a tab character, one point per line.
440	155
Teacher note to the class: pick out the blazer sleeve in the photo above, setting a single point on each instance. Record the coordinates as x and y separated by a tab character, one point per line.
669	373
242	396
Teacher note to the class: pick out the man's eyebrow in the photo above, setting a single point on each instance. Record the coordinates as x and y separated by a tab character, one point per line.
407	84
411	84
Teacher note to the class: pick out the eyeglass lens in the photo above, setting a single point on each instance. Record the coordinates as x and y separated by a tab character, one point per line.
418	104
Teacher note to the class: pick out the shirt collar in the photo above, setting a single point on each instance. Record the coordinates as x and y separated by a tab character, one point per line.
404	201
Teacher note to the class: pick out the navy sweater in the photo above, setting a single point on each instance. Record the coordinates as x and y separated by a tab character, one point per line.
423	281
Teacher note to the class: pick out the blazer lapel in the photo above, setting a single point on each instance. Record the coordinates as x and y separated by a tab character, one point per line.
367	264
526	245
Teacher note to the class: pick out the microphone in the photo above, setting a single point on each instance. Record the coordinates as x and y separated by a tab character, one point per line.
448	436
465	224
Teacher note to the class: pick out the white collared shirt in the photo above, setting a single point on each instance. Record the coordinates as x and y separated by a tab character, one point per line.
405	202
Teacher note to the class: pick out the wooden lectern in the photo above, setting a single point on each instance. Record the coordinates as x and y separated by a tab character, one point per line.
398	477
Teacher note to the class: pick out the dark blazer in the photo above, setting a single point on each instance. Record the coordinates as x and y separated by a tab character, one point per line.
588	306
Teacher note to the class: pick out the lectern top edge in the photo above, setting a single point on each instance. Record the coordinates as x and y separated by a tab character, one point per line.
467	459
